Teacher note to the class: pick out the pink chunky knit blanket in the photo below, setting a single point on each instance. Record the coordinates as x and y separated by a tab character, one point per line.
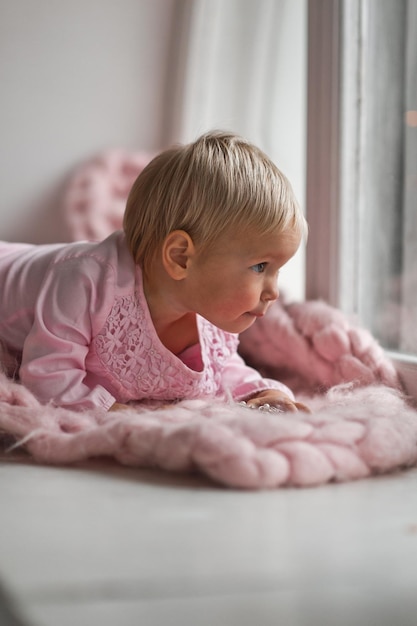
360	425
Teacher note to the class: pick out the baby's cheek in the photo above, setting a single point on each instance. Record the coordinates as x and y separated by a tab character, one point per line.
238	305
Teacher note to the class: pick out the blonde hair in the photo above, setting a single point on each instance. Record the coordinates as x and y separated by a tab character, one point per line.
219	184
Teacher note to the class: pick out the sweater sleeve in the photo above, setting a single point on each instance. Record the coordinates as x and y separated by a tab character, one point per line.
244	382
72	300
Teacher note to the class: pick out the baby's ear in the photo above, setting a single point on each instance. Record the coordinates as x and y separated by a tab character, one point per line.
177	250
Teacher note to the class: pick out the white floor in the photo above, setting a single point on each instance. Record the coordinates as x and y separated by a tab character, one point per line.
105	545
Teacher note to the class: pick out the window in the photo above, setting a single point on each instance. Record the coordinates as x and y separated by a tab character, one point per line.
362	167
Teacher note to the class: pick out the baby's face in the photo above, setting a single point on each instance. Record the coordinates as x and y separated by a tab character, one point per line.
236	282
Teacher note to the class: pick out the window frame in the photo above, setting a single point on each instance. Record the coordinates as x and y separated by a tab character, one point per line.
331	180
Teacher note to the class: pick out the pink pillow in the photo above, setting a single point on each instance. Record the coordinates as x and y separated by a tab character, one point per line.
96	195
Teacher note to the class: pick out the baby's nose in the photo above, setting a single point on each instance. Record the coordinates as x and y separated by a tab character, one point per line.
271	293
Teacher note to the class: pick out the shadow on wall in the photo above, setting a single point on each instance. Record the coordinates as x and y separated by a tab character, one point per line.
45	221
9	615
89	203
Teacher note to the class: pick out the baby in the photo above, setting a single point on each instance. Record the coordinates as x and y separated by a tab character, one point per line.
153	312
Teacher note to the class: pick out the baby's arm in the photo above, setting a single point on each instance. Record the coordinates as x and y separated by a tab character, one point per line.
248	385
55	350
117	406
277	399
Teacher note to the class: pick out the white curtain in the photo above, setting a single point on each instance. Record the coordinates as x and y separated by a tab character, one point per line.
240	65
409	284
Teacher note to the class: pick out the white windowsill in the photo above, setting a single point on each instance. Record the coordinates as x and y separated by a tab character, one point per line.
407	369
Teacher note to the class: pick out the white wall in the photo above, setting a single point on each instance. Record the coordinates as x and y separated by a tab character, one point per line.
76	76
79	76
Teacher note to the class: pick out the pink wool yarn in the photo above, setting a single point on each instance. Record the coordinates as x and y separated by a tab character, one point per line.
315	346
96	194
352	433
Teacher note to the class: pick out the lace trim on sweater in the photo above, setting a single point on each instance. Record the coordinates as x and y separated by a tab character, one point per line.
132	354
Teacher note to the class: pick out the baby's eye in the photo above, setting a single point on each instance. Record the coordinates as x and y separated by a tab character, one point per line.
259	267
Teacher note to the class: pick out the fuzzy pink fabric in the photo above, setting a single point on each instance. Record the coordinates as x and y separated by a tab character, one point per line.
352	433
312	346
361	424
96	193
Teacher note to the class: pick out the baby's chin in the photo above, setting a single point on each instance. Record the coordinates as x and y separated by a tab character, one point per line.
237	326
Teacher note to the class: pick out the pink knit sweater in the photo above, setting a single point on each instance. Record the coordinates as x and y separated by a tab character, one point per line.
77	315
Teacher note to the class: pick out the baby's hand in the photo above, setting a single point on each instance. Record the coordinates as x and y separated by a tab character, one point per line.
276	399
119	407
